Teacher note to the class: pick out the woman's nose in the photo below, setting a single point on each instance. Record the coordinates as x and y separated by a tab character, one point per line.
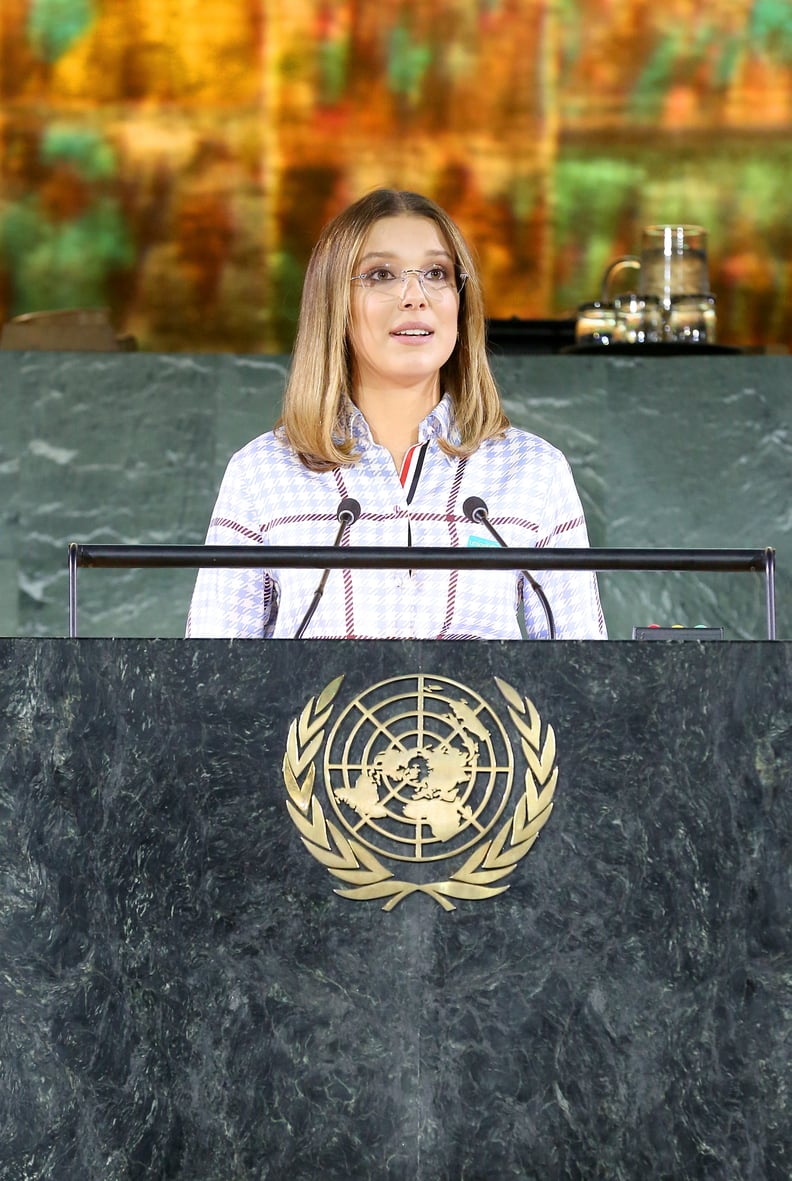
412	288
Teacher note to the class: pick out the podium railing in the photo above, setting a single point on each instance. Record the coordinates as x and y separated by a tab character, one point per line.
599	561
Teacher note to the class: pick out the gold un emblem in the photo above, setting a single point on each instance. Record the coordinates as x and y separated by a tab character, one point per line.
418	788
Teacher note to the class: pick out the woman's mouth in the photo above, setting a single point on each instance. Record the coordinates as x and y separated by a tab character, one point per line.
412	332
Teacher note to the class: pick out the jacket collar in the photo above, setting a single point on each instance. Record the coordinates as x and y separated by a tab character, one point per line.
438	424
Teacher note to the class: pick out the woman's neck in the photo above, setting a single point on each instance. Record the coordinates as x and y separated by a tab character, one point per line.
394	416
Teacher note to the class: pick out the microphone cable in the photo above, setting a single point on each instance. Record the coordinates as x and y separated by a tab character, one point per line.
347	513
475	509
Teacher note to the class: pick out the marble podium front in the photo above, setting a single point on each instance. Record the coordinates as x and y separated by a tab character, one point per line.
184	996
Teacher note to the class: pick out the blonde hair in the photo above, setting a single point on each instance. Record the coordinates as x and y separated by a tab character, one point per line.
321	370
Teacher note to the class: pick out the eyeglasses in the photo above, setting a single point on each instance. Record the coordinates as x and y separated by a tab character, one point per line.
434	281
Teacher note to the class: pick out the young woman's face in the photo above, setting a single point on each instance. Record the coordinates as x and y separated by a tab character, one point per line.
401	333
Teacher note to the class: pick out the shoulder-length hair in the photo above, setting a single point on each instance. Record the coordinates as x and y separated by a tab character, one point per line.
312	420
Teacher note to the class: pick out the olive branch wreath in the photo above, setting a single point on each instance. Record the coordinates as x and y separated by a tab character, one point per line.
367	878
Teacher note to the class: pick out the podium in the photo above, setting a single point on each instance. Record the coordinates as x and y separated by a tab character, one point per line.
594	985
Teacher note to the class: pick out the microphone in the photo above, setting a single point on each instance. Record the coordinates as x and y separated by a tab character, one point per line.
475	509
347	513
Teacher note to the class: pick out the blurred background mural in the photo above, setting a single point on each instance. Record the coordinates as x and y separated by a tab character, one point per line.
174	160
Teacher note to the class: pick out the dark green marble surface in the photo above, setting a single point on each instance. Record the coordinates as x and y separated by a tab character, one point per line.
184	998
667	452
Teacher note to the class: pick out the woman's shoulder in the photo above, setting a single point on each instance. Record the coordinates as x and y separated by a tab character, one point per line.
267	449
266	465
518	443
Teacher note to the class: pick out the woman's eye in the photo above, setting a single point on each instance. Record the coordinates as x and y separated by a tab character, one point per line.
436	274
380	275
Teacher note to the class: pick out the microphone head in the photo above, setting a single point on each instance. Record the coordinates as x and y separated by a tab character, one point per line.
348	510
475	509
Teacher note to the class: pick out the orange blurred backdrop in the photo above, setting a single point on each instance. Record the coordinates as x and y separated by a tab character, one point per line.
174	160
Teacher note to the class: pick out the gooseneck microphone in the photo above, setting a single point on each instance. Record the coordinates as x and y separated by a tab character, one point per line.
347	513
475	509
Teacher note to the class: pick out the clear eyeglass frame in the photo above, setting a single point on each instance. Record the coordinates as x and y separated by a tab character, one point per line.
392	286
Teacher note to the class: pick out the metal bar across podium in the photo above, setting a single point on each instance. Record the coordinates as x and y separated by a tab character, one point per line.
419	558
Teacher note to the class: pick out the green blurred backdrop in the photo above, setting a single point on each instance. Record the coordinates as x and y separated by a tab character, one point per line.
173	160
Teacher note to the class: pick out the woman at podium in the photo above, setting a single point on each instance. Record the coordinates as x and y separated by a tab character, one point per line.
393	434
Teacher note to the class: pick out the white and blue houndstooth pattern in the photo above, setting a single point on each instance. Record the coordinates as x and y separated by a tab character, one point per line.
267	497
